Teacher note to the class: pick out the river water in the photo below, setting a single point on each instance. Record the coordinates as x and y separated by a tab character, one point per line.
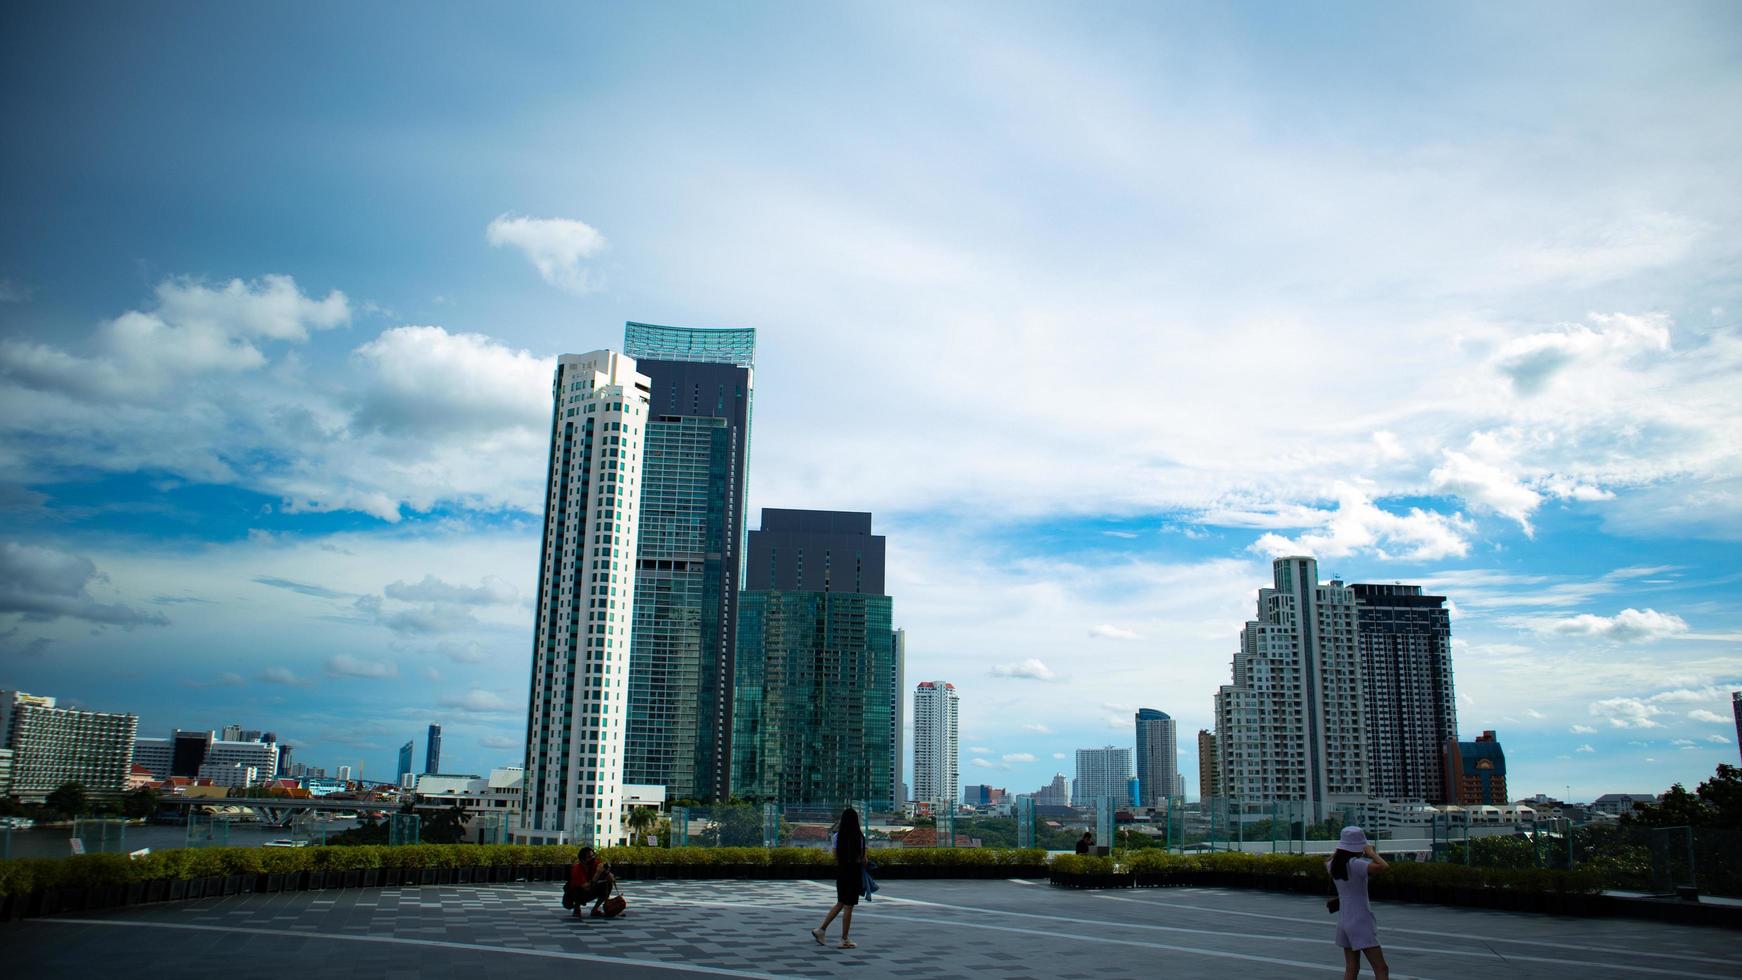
40	842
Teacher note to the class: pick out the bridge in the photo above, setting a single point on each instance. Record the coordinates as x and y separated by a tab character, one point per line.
279	811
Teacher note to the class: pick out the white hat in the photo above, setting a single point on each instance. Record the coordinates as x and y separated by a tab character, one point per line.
1352	840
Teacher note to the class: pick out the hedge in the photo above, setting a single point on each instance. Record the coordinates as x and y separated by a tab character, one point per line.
1306	871
22	876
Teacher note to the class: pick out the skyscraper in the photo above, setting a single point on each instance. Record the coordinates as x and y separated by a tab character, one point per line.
586	591
1291	725
816	662
898	729
935	753
405	753
1157	757
1209	768
689	556
432	750
1736	709
1102	772
1409	707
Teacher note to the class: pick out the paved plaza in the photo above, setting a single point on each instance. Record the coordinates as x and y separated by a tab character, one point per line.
951	930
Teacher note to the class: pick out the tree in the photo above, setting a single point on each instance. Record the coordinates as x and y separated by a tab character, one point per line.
641	820
446	825
139	804
69	799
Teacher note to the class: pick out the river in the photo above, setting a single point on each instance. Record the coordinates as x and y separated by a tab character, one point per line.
40	842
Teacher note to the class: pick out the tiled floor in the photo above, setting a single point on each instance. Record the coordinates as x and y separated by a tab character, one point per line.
951	930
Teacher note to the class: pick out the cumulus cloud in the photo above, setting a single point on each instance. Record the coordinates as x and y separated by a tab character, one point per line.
345	665
556	247
1036	728
1534	360
43	584
1587	747
1030	669
1483	477
1627	712
282	675
1701	714
1358	526
493	741
423	380
1717	740
428	619
1107	631
1582	730
1628	625
1018	757
194	330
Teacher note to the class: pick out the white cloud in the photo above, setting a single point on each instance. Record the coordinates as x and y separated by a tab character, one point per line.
1483	476
1059	755
1717	740
1036	728
283	676
1701	714
499	742
477	701
492	592
1358	526
1625	626
345	665
982	750
557	247
1018	757
1582	730
1533	713
1107	631
989	764
1587	747
1031	669
1534	360
1627	712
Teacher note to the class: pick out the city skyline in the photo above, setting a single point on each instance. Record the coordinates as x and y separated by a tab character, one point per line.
275	381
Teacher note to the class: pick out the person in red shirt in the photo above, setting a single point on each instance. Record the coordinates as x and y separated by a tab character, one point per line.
590	880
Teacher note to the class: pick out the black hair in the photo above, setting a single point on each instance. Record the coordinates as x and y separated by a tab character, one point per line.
1340	864
582	856
848	840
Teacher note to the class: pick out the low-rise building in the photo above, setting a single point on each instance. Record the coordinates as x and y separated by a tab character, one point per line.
1475	772
230	775
487	801
1620	804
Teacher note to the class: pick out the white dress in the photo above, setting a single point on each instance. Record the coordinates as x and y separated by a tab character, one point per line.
1356	927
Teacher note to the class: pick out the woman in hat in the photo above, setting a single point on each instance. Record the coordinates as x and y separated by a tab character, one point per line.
1354	860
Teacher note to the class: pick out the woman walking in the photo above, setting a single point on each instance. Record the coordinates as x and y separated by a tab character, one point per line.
1357	932
849	877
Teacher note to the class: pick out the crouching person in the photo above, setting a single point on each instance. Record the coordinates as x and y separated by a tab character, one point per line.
590	880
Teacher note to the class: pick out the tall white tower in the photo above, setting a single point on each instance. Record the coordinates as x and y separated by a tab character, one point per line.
935	773
586	596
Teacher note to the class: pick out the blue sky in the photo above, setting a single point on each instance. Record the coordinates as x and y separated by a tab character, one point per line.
1095	308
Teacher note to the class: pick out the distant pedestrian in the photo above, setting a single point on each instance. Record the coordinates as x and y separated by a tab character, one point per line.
1085	843
1354	860
849	846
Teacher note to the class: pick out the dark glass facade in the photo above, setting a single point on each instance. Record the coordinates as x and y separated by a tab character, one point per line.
689	559
1406	678
816	670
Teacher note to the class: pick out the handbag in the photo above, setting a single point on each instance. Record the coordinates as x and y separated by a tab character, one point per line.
1332	905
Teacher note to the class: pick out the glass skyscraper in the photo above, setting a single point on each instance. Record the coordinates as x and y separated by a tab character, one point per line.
689	560
816	663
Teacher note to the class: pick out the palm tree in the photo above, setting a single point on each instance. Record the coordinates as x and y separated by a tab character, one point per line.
641	820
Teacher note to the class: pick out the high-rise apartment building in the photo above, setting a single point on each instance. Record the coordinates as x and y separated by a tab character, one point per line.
259	756
936	758
898	728
1291	726
1157	757
816	663
156	755
232	733
689	557
1055	793
405	755
1409	707
1209	769
1102	772
52	746
586	595
1736	709
432	750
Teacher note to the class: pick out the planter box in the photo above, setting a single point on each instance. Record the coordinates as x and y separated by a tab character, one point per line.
196	889
178	889
371	877
231	885
135	894
351	878
157	890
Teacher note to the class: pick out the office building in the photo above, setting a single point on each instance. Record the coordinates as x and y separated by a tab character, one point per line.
1291	726
586	594
898	729
157	755
432	750
344	774
816	663
1209	774
52	746
983	795
406	752
1157	757
1179	785
1104	772
284	759
1474	772
188	752
1410	710
1736	710
260	756
232	733
935	753
5	772
689	556
231	775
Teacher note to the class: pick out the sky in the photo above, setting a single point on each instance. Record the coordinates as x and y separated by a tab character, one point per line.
1096	307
